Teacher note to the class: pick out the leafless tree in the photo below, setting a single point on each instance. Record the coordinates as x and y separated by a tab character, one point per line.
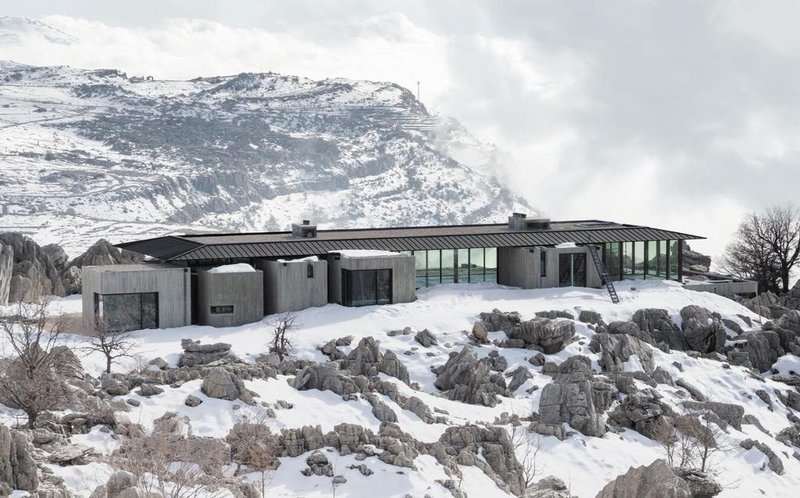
766	248
29	370
526	450
253	445
691	441
281	343
111	343
162	464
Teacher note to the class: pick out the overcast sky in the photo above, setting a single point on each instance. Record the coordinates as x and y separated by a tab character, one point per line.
677	114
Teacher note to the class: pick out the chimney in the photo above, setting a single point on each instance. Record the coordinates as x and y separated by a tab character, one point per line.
517	221
520	221
304	230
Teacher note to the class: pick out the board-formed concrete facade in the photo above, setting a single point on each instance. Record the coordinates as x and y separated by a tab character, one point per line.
292	285
538	267
170	284
401	266
229	299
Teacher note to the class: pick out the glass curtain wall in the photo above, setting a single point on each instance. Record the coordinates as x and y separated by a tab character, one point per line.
657	259
675	247
437	266
125	312
365	287
613	254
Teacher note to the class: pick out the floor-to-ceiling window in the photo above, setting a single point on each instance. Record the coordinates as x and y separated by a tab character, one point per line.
365	287
124	312
639	258
675	247
613	257
572	270
436	266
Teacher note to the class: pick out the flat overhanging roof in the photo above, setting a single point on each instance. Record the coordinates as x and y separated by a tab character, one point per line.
232	246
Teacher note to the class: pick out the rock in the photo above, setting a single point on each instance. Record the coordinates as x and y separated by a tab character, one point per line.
658	324
729	412
763	349
549	336
693	391
702	329
497	363
661	376
159	363
537	360
774	462
500	321
587	316
73	454
616	350
221	384
366	359
426	338
555	430
331	351
192	401
656	480
119	481
479	333
133	402
57	255
577	398
644	413
701	485
733	326
518	377
6	272
419	408
327	377
790	436
629	328
318	465
195	354
104	252
548	487
33	274
381	410
362	468
17	466
114	384
553	314
344	341
467	379
148	390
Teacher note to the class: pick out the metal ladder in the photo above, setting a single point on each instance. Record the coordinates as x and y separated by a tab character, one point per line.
601	269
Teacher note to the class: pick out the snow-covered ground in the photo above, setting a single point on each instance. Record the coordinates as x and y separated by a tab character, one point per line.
449	311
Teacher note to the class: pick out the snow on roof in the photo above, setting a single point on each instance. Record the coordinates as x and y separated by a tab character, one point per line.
236	268
307	259
364	253
566	245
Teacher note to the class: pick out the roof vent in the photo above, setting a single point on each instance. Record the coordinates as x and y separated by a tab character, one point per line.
305	230
520	221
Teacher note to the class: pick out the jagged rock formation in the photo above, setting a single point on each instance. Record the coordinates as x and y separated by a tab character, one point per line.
17	467
33	274
366	359
577	397
548	332
467	379
656	480
703	329
658	324
616	350
643	412
195	354
222	384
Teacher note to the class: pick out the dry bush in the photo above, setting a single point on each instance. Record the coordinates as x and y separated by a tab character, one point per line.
111	343
254	446
281	343
690	441
528	448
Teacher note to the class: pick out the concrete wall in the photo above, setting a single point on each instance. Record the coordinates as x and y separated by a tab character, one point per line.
727	289
521	266
244	291
403	274
287	286
171	283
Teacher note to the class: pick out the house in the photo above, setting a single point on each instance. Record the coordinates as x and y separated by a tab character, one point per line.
231	279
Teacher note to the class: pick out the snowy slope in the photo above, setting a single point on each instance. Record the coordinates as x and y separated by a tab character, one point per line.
585	463
86	154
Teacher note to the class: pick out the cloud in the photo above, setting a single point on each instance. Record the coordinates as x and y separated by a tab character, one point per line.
676	114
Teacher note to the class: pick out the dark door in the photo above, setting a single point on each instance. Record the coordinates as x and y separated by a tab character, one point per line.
572	270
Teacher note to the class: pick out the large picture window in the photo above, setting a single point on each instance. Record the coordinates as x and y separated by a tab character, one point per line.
124	312
437	266
366	287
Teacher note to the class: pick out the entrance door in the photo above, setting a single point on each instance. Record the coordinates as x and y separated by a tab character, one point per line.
572	270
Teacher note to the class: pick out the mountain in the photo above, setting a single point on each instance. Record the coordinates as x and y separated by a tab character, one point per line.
99	153
15	30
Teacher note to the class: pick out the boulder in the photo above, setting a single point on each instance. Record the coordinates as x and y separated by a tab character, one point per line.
518	377
701	485
553	314
192	401
6	272
318	465
72	454
220	384
629	328
17	466
616	350
328	377
426	338
114	384
148	390
33	274
643	412
104	252
656	480
730	413
196	354
499	321
774	462
366	359
547	335
577	398
548	487
419	408
763	349
467	379
702	329
659	325
588	316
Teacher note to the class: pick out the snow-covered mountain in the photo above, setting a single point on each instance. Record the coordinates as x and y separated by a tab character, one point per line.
15	30
99	153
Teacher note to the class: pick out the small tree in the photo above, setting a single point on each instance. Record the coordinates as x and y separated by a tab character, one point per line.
29	373
282	344
526	450
253	445
111	343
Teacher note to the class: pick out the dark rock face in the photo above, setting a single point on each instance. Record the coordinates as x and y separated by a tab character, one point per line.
545	334
703	329
6	272
577	398
656	480
763	349
658	324
615	350
17	467
643	412
366	359
467	379
33	274
103	252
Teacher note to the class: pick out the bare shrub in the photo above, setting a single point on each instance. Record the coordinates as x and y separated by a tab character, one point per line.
691	441
29	369
281	343
526	450
111	343
254	446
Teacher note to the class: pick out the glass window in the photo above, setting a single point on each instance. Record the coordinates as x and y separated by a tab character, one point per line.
627	260
448	266
674	254
124	312
638	259
365	287
462	263
421	266
477	265
662	258
434	267
309	270
542	262
612	262
491	264
652	258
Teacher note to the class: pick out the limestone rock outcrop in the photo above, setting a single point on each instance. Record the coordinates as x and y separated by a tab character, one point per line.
702	329
656	480
616	350
17	467
467	379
